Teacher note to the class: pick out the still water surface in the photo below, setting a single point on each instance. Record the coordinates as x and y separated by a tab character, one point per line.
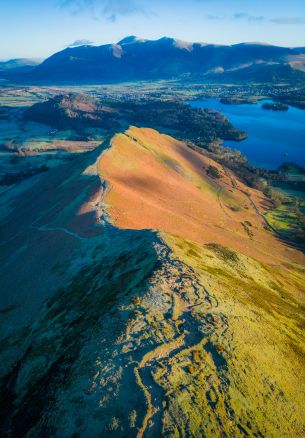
274	137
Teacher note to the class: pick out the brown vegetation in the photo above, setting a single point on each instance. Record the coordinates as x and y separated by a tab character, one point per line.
157	182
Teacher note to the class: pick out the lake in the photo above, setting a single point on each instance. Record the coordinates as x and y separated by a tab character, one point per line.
274	137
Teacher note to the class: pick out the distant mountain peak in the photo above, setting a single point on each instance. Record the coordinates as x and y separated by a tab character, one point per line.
186	45
254	43
131	39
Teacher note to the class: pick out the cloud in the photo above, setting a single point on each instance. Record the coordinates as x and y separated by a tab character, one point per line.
239	15
254	18
288	20
250	18
215	17
109	9
77	6
259	18
112	9
80	43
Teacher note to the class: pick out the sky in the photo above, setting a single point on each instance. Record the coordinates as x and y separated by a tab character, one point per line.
39	28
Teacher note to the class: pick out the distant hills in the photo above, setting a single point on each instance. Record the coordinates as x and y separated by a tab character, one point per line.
17	67
166	58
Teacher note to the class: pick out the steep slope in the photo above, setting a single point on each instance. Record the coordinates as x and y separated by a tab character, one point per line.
133	59
159	183
237	298
111	329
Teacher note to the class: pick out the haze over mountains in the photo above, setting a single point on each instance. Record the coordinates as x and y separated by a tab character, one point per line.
18	66
137	59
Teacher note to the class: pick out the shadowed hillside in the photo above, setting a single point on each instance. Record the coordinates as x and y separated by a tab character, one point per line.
112	329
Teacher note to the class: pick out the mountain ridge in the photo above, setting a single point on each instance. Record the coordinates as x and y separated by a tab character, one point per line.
134	58
115	324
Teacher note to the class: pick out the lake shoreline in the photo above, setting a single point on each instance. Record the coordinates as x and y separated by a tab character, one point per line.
274	137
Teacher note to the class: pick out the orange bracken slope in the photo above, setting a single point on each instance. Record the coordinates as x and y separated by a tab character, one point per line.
157	182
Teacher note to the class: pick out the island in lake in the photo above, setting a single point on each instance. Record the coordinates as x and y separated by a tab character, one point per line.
275	106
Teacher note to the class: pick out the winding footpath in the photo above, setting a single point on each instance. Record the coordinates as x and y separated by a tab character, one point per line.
190	334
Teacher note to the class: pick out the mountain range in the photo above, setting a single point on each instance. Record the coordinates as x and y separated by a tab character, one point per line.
138	59
17	66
